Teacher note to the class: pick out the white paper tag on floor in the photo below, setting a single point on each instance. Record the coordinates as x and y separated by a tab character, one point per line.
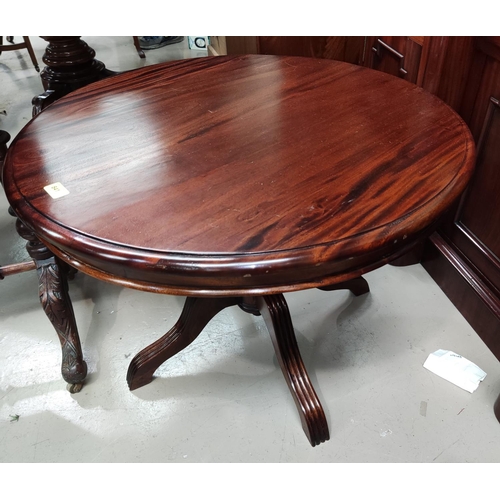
456	369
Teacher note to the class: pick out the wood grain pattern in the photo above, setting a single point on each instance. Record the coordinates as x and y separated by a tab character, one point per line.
274	310
447	67
341	48
56	303
464	257
290	172
397	55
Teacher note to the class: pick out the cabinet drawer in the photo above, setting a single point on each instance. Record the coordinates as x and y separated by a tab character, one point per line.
396	55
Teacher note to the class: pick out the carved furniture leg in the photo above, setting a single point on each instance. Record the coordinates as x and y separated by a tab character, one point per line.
358	286
274	310
196	314
55	300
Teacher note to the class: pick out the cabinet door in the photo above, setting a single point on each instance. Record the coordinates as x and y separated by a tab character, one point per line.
396	55
341	48
464	254
475	232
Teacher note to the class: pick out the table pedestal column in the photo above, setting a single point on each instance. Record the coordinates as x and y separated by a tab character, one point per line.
71	64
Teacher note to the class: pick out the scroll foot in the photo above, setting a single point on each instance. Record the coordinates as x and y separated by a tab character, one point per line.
56	303
274	310
196	314
55	300
74	388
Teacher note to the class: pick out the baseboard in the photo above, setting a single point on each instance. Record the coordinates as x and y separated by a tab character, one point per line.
466	288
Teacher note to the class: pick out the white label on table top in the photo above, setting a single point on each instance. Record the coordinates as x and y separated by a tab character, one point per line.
56	190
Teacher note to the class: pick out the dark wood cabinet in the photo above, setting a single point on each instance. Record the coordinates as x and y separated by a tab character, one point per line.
397	55
341	48
463	255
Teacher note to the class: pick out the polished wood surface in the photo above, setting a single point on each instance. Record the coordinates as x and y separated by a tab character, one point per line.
274	310
232	180
341	48
397	55
463	257
70	65
292	173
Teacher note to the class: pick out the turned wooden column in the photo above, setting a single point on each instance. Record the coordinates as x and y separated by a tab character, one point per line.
70	65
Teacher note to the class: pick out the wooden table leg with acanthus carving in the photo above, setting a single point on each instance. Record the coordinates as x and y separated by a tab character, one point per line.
55	300
53	293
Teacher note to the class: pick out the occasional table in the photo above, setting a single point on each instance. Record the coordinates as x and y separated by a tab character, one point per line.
231	180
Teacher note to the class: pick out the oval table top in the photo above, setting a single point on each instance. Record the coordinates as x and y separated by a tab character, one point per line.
252	174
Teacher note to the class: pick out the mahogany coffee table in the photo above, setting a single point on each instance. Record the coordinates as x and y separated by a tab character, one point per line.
231	180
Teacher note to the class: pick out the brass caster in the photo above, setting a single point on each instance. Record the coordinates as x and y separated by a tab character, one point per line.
74	388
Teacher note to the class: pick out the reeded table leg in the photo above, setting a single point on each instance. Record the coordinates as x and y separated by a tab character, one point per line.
55	300
196	314
274	310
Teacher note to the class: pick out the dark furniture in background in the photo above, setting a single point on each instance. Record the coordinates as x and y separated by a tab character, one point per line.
70	65
463	256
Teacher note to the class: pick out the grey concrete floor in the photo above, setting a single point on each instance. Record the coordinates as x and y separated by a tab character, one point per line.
223	399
